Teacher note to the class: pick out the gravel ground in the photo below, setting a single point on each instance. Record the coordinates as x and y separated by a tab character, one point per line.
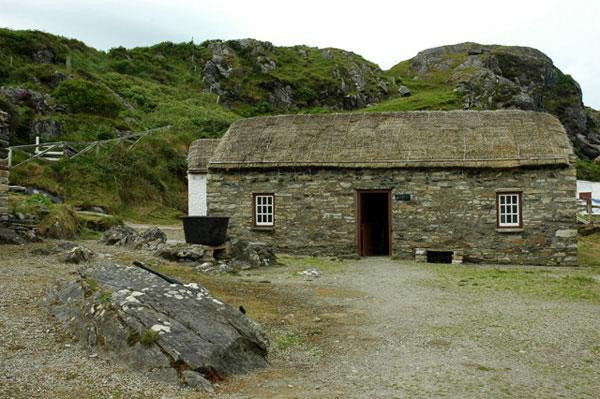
376	328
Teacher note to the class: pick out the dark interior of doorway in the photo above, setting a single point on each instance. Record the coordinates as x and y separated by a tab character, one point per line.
374	223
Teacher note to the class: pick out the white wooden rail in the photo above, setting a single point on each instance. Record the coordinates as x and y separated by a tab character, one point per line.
585	214
54	151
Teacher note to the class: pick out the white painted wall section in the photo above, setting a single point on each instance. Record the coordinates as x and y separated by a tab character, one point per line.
197	194
584	186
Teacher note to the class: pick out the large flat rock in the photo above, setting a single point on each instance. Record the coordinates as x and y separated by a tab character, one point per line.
174	332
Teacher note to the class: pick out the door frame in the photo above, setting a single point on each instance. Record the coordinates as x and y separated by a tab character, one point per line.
358	203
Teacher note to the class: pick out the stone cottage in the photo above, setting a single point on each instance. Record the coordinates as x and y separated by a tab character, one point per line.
3	168
492	186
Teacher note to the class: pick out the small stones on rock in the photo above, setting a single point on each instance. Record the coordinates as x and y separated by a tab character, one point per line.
311	273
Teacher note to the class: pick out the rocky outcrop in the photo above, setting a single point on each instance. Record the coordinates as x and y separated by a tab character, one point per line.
171	332
236	254
22	96
495	77
77	254
46	129
43	56
257	73
120	235
243	254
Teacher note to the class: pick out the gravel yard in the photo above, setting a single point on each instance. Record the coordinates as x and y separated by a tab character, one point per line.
369	328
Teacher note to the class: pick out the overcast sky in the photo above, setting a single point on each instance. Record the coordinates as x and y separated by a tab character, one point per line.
384	32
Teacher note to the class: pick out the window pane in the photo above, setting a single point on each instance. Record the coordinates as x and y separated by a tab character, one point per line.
514	219
269	218
502	199
514	209
502	219
269	200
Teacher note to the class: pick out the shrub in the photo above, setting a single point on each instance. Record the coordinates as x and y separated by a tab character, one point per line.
87	97
149	337
39	199
61	223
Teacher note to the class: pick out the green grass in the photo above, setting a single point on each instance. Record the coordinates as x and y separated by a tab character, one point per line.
441	98
588	252
149	338
284	341
555	283
588	170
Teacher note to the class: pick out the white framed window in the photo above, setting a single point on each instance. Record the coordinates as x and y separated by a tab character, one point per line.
264	210
508	209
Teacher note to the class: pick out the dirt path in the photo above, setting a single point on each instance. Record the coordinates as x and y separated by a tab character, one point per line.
418	341
372	328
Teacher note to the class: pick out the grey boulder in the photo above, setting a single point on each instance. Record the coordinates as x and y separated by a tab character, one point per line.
174	333
126	236
77	254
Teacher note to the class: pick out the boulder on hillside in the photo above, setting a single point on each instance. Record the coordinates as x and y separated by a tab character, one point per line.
404	91
174	333
22	96
46	129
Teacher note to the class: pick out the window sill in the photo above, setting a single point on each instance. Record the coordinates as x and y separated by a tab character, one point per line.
509	229
262	228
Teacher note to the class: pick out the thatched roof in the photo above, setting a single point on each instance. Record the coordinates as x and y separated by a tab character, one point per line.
199	153
484	139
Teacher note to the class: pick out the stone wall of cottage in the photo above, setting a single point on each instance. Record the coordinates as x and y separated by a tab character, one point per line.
315	211
3	168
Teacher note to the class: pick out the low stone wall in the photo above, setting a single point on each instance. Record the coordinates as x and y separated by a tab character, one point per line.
315	211
3	168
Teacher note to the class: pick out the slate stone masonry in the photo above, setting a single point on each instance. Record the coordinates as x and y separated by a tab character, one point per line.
3	168
315	211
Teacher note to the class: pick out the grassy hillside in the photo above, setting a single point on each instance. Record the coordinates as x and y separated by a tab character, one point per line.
61	89
103	102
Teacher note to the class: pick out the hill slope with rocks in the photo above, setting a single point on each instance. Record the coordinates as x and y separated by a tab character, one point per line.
475	76
60	89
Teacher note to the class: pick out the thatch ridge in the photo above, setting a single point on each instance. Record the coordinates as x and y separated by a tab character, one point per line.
477	139
199	153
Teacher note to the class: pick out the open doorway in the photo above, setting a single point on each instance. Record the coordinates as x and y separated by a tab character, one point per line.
374	222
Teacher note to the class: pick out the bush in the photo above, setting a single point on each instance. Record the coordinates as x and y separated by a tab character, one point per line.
61	223
87	97
588	170
39	199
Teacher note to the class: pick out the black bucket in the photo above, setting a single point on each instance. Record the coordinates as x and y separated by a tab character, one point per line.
205	230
